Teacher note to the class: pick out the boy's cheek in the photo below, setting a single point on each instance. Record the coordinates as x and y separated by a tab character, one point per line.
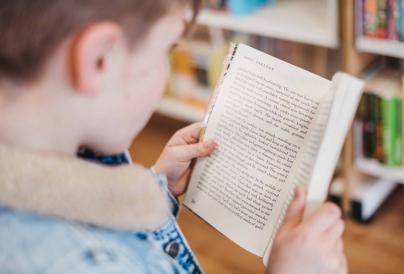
142	92
150	88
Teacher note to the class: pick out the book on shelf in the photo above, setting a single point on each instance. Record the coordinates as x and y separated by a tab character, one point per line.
368	9
236	7
371	126
195	64
381	116
402	113
392	130
194	69
383	19
277	126
381	30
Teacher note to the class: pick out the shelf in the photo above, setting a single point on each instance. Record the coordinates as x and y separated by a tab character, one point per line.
379	46
374	168
180	111
307	21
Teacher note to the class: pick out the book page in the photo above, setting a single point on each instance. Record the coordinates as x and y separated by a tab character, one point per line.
321	152
307	160
348	91
262	117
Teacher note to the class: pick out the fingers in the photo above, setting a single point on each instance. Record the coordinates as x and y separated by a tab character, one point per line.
187	135
334	233
338	265
324	218
188	152
343	266
340	246
295	211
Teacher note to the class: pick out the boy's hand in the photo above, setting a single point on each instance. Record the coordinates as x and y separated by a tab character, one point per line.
175	160
311	246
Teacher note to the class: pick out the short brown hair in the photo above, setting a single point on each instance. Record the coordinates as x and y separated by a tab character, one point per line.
31	30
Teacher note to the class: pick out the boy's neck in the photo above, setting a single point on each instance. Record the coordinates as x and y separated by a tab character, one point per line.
29	121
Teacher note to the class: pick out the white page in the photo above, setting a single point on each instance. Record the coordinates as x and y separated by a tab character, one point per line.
347	91
347	96
214	199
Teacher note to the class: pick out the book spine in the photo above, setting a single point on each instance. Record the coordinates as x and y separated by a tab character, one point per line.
379	150
360	14
397	132
402	128
370	18
391	19
400	136
387	131
392	134
401	23
226	64
397	17
382	14
369	125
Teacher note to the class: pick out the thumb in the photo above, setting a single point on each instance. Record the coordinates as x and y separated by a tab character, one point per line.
294	215
189	152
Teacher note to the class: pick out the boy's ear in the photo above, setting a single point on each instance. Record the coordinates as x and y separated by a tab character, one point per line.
89	52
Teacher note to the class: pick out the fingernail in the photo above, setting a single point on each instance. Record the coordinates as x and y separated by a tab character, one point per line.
298	192
211	143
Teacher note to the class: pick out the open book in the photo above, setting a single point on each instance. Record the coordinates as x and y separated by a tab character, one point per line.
277	126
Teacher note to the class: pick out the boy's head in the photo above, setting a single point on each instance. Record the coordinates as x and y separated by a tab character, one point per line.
93	70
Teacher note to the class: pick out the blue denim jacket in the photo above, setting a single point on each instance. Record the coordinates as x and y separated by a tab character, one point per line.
34	244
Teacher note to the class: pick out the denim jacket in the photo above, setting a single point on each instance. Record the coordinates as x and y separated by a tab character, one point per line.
34	244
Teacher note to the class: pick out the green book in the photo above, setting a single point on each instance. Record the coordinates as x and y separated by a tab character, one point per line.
399	143
392	146
402	129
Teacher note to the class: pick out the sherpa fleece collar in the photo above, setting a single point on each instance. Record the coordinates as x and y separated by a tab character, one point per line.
124	197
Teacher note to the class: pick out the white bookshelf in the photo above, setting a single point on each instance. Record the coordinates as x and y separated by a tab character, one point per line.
181	111
312	22
374	168
379	46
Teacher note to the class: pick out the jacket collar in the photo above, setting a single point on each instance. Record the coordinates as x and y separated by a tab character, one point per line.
123	197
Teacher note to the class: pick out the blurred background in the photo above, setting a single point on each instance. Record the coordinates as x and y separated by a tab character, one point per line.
362	37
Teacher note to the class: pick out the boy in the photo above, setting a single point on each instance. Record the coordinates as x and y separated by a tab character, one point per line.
89	74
